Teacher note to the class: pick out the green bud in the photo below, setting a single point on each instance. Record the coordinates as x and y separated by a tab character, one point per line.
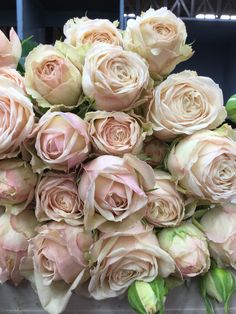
218	284
148	297
231	108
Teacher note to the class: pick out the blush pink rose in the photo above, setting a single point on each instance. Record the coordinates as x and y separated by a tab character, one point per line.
13	76
10	49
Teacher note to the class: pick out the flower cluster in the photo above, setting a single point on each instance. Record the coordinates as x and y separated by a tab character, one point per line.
113	172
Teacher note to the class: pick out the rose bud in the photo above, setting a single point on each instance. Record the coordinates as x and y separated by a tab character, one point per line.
84	31
57	263
14	234
52	79
159	37
154	151
10	50
178	242
57	199
204	165
222	244
17	183
231	108
217	284
148	297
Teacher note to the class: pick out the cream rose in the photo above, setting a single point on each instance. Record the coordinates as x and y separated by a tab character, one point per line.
10	50
220	229
204	164
16	118
14	235
166	206
159	37
116	79
83	31
60	141
154	151
123	257
113	191
57	263
57	199
185	103
115	133
51	78
13	76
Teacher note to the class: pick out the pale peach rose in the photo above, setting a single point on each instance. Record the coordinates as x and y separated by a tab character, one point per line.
17	183
123	257
14	235
187	245
14	76
57	199
185	103
115	133
159	37
113	191
52	79
116	79
154	151
16	118
10	50
219	226
204	164
57	263
83	31
59	141
166	206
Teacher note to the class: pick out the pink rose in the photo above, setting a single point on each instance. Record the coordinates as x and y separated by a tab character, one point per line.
10	50
57	199
113	191
13	76
14	233
16	116
60	141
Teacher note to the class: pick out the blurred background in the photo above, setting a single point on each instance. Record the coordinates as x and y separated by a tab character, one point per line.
211	27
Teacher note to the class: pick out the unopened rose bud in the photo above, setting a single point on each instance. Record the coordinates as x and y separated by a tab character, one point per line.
231	108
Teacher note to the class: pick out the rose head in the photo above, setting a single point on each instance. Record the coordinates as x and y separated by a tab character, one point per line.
159	37
116	79
13	76
17	183
51	78
57	199
204	164
181	99
123	257
112	189
83	31
10	50
182	240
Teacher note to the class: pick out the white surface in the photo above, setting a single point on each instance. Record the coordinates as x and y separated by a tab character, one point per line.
23	300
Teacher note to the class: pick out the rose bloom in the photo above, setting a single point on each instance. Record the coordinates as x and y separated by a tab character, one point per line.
187	245
159	37
57	199
115	133
82	31
219	226
113	191
166	206
57	263
116	79
17	183
16	118
123	257
61	142
14	235
51	78
10	50
154	151
204	164
185	103
13	76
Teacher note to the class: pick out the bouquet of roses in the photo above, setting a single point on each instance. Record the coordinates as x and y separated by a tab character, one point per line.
115	175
